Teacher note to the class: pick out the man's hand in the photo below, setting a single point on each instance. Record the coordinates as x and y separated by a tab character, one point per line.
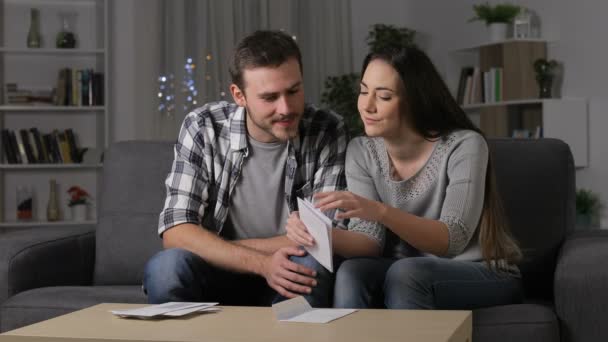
285	276
297	232
352	205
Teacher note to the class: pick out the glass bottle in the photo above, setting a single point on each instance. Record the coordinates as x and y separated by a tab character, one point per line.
33	36
52	209
66	38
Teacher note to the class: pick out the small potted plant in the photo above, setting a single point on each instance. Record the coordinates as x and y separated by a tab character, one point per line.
78	203
545	70
496	17
588	207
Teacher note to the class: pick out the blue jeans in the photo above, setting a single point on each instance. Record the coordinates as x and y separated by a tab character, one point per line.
422	283
177	275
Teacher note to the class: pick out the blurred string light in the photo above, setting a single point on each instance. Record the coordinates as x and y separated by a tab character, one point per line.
166	95
189	86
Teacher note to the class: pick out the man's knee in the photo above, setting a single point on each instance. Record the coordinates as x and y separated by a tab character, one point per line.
310	262
168	261
168	272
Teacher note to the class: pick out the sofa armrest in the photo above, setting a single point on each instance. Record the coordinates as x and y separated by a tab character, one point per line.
581	286
49	256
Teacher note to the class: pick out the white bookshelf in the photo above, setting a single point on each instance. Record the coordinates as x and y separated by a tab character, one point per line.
51	51
31	224
38	108
37	69
49	166
502	103
475	48
561	118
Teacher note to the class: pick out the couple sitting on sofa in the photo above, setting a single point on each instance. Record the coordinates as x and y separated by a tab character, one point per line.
420	225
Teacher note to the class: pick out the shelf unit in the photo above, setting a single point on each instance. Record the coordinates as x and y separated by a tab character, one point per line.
562	118
37	69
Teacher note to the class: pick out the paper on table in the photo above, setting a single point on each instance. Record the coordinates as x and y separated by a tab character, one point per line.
319	226
298	310
205	309
152	311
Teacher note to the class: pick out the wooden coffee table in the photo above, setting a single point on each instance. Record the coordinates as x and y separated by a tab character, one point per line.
235	323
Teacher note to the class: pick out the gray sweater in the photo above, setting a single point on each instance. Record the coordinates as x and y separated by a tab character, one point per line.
449	188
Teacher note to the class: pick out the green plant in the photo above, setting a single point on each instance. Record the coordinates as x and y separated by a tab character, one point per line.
544	68
587	203
382	36
500	13
341	92
340	95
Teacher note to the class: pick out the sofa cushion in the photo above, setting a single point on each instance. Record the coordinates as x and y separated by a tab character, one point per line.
47	302
133	195
520	322
535	179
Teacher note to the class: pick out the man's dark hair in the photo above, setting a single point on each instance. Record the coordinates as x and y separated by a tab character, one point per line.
262	49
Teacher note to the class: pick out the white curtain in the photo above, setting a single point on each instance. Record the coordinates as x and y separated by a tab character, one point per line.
206	31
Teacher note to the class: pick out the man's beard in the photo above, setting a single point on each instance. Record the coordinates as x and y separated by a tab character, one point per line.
290	133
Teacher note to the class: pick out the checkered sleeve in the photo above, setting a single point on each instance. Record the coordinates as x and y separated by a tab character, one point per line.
187	183
330	175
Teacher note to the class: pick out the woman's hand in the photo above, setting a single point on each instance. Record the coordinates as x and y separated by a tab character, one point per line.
352	205
297	232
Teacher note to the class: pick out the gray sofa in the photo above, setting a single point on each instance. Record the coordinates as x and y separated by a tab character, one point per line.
49	272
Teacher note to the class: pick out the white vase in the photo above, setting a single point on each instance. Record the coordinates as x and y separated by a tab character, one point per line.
498	31
79	212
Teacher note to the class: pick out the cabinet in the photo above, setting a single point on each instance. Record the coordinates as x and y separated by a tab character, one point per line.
520	109
38	70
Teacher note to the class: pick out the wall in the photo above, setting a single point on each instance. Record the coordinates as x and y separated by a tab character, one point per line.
134	63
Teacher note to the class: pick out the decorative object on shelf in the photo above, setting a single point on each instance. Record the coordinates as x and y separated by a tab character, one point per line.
25	203
34	40
66	38
588	208
545	70
341	92
52	208
522	24
78	203
497	18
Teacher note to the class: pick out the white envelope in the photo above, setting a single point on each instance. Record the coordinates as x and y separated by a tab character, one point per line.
170	309
319	226
298	310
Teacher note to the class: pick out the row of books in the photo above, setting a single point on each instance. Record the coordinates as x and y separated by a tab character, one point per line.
14	95
475	86
79	88
33	147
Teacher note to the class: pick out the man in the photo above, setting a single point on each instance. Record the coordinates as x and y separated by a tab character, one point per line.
237	173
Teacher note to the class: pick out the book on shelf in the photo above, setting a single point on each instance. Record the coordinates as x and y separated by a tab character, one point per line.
79	88
463	84
16	96
476	86
30	146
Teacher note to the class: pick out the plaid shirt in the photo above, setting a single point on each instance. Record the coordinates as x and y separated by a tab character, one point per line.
209	155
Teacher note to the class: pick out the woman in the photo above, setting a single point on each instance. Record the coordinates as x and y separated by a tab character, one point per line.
421	186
